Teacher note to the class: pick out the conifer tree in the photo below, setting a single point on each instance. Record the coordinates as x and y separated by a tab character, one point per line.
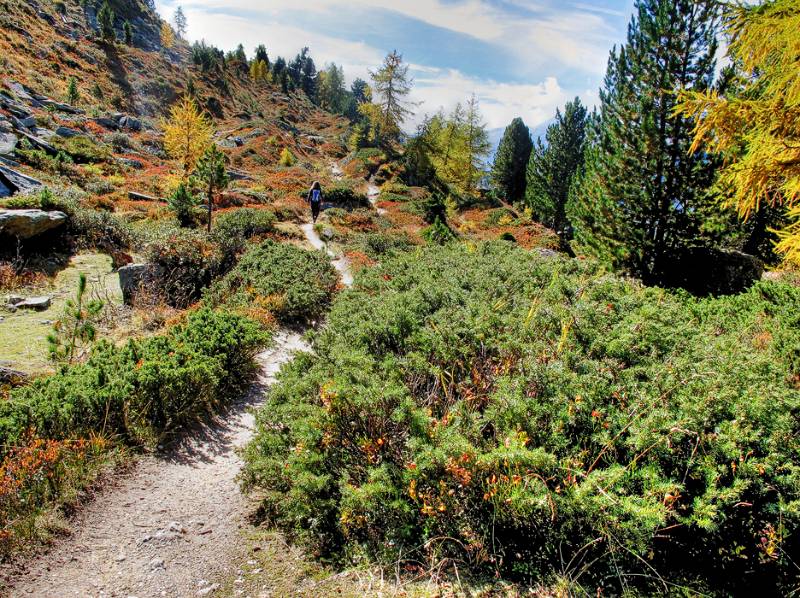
105	19
511	161
73	96
641	191
127	30
212	176
391	85
757	127
261	54
187	134
476	146
553	166
180	22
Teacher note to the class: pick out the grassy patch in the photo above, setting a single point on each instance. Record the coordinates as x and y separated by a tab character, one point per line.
23	334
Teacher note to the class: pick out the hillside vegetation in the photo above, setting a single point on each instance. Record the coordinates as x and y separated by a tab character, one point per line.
564	372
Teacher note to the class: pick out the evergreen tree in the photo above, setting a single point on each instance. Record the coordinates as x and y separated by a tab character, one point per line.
212	176
477	146
391	85
511	160
183	203
261	55
361	91
73	96
278	69
553	166
180	22
639	197
105	19
331	90
308	82
127	30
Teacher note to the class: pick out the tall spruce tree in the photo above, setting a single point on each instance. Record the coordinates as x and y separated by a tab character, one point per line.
637	202
105	19
511	161
553	166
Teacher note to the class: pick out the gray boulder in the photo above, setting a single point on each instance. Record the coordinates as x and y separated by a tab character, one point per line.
25	224
34	303
130	123
66	132
17	182
709	271
8	143
107	123
61	107
132	278
4	191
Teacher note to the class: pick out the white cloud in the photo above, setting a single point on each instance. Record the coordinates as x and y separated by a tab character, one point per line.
571	36
499	102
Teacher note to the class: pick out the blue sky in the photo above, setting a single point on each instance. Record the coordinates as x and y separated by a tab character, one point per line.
520	57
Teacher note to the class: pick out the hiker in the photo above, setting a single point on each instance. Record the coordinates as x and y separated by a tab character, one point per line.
315	199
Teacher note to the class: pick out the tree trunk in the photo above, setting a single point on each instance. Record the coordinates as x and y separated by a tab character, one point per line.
210	204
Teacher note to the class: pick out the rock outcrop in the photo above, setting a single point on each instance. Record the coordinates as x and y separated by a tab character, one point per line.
16	182
24	224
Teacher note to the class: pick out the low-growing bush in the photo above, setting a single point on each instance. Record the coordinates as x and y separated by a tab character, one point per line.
295	284
142	391
185	262
377	245
345	197
82	149
232	230
534	418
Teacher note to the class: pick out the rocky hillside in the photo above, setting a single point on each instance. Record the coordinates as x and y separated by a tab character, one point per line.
106	140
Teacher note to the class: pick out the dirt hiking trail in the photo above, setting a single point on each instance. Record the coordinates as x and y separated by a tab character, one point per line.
170	526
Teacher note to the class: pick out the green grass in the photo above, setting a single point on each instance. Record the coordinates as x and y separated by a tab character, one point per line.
23	335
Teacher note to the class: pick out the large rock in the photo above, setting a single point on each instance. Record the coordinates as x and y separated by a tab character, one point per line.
707	271
132	278
18	182
34	303
130	123
8	143
25	224
66	132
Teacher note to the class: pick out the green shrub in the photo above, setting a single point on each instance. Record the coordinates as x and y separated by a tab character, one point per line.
82	149
345	197
533	418
143	390
232	230
295	283
183	203
378	245
438	233
186	262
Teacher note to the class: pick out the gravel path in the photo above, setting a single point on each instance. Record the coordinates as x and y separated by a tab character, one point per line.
170	527
173	524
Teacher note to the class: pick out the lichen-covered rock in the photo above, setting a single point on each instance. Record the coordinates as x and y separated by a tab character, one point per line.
24	224
17	182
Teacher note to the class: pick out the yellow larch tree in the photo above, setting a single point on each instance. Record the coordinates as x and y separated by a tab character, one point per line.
757	130
167	36
187	134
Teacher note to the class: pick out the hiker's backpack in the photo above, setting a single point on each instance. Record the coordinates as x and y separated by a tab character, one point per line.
316	195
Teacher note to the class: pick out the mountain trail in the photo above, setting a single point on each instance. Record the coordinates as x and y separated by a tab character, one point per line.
173	524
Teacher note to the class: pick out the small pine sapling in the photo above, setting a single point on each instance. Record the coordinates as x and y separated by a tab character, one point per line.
211	175
76	330
73	96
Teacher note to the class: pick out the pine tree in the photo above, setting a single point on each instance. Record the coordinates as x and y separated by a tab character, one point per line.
361	91
183	203
105	19
75	331
180	22
127	30
187	134
212	176
308	82
392	86
261	54
73	96
553	167
639	195
511	161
